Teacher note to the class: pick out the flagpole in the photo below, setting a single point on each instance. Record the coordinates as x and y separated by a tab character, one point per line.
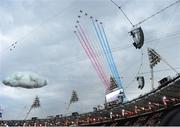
67	109
35	104
27	114
66	114
1	113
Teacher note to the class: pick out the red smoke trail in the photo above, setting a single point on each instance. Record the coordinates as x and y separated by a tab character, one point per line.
94	56
94	66
87	52
93	48
95	45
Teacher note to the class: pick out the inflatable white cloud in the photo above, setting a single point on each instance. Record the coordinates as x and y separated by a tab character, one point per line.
27	80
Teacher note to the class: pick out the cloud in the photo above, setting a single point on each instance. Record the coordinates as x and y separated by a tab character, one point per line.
47	45
26	80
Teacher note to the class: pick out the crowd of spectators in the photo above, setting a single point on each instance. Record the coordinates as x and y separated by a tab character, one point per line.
138	112
151	119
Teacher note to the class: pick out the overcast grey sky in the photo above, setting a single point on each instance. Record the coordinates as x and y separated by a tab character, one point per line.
48	47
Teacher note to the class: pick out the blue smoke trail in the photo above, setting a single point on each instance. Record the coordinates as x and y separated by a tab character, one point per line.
108	53
102	45
112	60
116	71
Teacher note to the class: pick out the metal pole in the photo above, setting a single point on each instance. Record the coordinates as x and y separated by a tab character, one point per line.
28	113
152	78
67	109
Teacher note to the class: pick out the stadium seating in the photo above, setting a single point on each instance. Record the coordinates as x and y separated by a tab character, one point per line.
159	107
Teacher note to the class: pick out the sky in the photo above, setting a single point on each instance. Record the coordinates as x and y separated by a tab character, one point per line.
47	46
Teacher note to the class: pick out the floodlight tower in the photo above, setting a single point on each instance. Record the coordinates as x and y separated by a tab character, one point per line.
154	59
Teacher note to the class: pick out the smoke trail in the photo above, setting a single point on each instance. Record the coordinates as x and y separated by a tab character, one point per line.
107	52
102	45
112	60
94	56
104	48
87	53
95	45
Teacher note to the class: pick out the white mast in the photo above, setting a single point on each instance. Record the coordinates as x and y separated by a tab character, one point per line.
152	78
154	58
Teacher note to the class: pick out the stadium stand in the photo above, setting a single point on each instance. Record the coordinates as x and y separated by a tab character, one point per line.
159	107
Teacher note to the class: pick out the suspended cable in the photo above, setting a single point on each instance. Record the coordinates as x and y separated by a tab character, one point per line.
147	41
175	34
157	13
168	23
162	70
138	72
123	12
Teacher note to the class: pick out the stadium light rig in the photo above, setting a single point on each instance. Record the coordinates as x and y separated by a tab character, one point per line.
154	59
